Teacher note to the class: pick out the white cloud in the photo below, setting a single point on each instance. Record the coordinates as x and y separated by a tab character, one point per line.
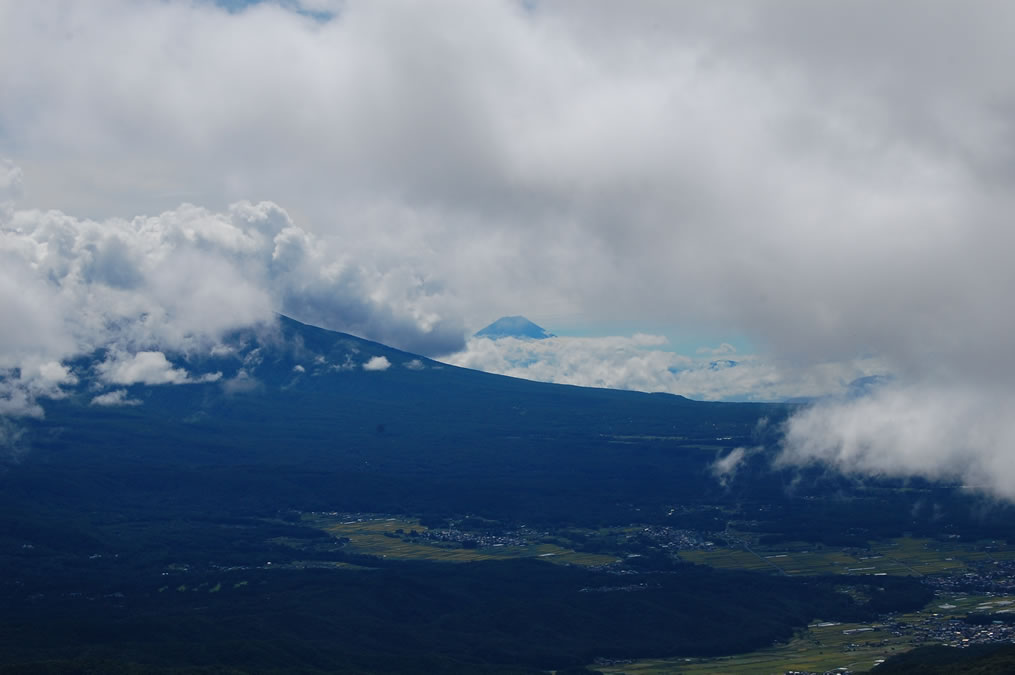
176	282
241	383
57	374
143	367
11	186
147	367
742	167
725	468
827	179
743	163
724	349
181	279
17	400
117	397
932	430
637	363
566	156
377	363
321	6
12	443
23	384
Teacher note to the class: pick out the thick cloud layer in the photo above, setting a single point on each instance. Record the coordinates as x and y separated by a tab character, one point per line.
831	180
176	282
947	433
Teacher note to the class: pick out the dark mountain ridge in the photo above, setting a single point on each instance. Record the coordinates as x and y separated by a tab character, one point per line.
416	435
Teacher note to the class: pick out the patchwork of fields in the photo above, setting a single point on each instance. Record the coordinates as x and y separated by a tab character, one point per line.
822	646
902	557
385	537
826	646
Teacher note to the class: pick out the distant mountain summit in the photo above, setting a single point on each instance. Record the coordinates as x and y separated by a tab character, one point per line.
516	327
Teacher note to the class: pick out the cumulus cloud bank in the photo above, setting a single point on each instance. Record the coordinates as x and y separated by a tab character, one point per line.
940	433
174	282
641	362
829	179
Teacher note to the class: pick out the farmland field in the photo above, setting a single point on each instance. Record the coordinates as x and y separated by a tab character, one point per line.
385	537
902	556
830	645
819	648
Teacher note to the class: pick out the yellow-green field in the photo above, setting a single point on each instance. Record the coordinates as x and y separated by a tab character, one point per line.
729	558
914	557
368	536
819	648
823	646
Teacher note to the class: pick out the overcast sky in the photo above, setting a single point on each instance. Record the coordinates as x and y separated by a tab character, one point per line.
829	182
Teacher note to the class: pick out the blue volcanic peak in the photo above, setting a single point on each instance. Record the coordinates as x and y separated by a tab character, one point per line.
516	327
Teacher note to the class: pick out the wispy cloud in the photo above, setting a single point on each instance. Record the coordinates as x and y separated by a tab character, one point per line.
117	397
12	440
